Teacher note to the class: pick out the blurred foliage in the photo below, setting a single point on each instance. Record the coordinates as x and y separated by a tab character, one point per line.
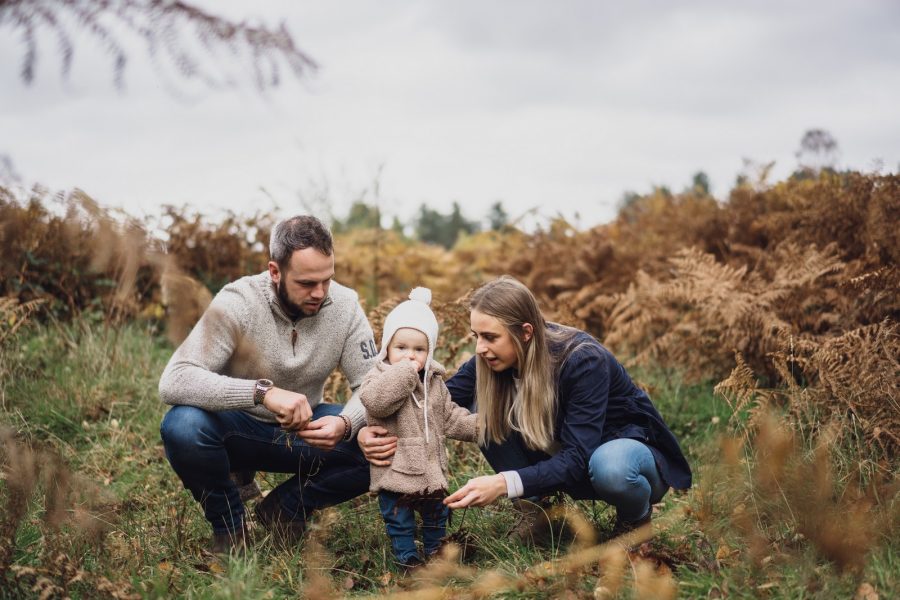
74	255
216	253
799	278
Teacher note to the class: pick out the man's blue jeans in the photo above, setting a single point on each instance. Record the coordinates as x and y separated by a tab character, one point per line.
621	472
205	447
400	523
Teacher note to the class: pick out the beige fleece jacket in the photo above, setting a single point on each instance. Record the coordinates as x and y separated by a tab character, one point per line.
419	465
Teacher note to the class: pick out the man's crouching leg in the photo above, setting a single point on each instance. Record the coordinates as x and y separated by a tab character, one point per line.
194	440
324	478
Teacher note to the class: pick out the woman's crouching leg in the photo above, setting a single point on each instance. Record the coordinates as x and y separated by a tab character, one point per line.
623	473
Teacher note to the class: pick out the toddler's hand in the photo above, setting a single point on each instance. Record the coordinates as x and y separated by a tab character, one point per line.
410	360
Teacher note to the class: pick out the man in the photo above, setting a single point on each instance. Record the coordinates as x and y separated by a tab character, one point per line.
247	384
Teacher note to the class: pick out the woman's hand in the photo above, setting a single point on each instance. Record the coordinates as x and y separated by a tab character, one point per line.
377	446
480	491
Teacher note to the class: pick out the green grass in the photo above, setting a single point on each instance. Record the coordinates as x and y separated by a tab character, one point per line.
88	395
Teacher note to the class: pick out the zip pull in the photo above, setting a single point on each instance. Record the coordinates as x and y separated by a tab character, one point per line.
294	340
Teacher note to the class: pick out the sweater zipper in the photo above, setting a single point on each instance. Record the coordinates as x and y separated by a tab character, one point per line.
294	341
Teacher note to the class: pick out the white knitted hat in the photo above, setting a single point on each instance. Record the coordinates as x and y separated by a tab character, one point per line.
414	314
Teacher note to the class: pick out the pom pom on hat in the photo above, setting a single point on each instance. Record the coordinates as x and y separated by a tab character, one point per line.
421	294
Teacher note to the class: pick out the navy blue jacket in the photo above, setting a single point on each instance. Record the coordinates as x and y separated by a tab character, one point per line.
597	402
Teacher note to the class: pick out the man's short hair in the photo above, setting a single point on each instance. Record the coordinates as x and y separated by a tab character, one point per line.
297	233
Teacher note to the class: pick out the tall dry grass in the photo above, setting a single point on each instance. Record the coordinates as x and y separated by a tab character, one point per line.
76	516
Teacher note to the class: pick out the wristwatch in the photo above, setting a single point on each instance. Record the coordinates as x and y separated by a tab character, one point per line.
262	386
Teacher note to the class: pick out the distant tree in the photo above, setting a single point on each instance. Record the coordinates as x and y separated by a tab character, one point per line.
700	183
460	224
628	198
431	226
179	34
628	205
436	228
361	215
818	151
754	174
398	227
498	219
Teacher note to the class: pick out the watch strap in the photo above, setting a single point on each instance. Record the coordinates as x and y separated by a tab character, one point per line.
259	392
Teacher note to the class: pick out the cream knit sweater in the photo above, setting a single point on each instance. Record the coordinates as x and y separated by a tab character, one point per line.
245	335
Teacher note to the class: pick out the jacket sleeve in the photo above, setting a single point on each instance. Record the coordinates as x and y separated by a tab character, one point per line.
192	376
583	393
357	358
384	392
459	423
462	385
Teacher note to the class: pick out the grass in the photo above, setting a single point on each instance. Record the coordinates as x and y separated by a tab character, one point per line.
106	516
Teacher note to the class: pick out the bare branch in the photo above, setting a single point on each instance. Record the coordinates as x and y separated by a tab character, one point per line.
174	33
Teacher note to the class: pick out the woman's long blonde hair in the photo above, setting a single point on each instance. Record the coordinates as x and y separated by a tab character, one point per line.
531	411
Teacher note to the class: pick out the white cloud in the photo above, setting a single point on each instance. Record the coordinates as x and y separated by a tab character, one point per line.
561	105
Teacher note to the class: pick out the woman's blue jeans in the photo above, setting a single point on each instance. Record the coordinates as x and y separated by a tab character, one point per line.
400	523
205	447
621	472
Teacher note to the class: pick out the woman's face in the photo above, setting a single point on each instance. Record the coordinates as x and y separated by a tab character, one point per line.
493	342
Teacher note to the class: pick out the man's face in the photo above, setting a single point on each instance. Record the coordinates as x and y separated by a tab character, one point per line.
303	284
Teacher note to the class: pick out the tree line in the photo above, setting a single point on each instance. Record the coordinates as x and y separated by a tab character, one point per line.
429	225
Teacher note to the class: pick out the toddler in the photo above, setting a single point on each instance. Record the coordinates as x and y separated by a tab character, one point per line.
405	393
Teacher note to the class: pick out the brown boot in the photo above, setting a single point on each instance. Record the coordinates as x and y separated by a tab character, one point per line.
285	531
230	542
622	527
533	523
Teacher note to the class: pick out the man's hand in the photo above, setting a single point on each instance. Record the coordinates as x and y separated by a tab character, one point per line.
377	445
291	409
479	491
325	432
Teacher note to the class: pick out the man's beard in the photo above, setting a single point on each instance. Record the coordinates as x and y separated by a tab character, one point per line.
294	311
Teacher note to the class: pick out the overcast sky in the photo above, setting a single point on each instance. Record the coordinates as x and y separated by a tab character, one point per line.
558	105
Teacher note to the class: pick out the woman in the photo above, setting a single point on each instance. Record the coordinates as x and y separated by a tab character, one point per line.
556	413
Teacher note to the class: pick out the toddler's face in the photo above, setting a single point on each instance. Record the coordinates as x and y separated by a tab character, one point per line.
408	344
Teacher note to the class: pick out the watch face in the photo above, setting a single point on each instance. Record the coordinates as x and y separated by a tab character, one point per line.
262	386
